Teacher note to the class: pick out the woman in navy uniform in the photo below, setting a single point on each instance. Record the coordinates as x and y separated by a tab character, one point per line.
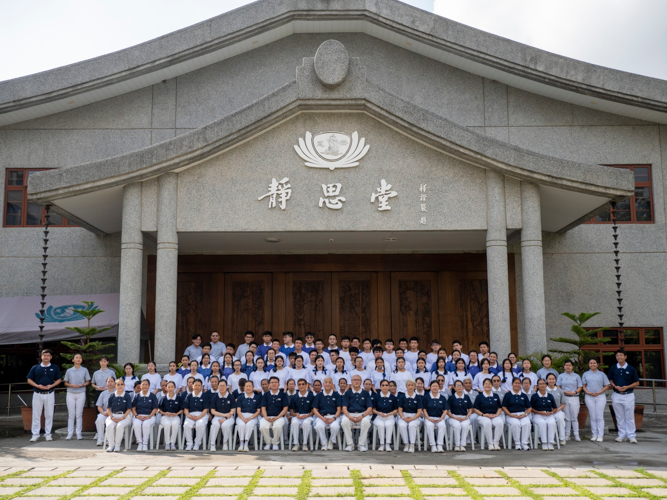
196	416
410	407
119	415
517	413
385	407
543	407
301	408
488	407
435	416
223	407
327	408
170	408
144	408
248	407
460	409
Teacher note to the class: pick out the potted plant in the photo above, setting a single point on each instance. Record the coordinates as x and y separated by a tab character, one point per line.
577	354
90	350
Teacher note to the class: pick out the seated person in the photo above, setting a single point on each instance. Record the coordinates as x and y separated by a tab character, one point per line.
357	408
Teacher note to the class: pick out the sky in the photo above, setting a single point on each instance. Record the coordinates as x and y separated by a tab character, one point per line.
630	35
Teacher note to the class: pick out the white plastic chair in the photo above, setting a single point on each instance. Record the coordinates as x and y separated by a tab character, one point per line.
507	431
398	439
160	431
427	441
536	436
395	437
181	437
282	440
291	438
127	437
339	441
464	438
482	438
235	436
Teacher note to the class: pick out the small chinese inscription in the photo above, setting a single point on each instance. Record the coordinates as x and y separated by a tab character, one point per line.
422	202
383	194
279	192
331	198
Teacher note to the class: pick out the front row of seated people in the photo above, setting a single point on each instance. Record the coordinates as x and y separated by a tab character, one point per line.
304	411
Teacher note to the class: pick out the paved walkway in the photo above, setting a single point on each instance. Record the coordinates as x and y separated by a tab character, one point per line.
326	482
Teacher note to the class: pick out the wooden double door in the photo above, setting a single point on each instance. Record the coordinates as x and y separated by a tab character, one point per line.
346	295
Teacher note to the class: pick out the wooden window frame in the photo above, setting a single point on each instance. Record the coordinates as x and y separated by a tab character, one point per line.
24	206
633	213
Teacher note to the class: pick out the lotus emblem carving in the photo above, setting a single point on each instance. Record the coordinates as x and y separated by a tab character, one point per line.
331	150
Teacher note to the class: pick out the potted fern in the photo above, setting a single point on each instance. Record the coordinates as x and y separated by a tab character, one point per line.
91	351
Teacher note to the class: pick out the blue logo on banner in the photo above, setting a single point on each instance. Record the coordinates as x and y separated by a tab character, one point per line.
63	314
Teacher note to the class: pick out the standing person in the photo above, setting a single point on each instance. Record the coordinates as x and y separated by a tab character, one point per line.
543	407
194	373
301	408
460	409
194	351
174	376
205	366
234	378
595	384
129	378
623	379
483	349
559	415
318	372
379	373
546	368
76	379
516	406
196	416
119	415
288	343
385	407
258	375
170	407
410	407
249	338
184	370
570	383
215	373
248	408
435	417
516	364
460	374
154	378
357	408
299	371
249	365
222	405
44	378
99	378
506	375
473	364
488	407
478	381
144	408
401	375
217	348
422	372
274	408
102	404
526	372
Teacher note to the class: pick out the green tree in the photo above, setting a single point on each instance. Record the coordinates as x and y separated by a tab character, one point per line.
583	337
89	349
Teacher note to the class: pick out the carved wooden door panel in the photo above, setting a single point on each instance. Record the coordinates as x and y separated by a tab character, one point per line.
247	305
355	305
308	304
415	306
193	309
473	310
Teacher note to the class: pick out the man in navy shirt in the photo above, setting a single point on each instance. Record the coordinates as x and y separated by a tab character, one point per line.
357	408
623	379
301	407
44	378
327	408
274	407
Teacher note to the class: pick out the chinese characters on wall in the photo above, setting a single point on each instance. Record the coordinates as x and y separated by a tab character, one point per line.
422	203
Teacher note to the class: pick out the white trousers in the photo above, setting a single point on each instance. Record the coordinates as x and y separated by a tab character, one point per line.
198	425
492	428
47	403
75	402
100	422
115	430
596	406
473	423
408	430
460	430
385	428
142	429
560	424
546	427
520	428
245	429
347	425
170	426
225	425
321	429
571	410
430	431
265	428
297	424
624	409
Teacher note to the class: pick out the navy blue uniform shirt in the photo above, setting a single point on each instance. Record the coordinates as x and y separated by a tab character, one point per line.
619	376
249	404
170	405
221	404
435	407
410	405
487	404
543	403
43	375
302	405
145	404
357	402
195	403
327	404
516	403
274	403
120	404
385	404
459	406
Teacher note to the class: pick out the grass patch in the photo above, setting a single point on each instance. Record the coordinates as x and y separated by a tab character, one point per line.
304	487
579	489
635	489
148	482
194	489
525	490
94	483
648	475
13	474
32	487
465	485
247	491
415	491
358	484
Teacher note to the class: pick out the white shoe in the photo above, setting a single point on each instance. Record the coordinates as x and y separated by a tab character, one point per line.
381	448
600	439
440	449
276	447
463	448
551	447
434	449
406	448
325	446
188	447
304	447
387	447
363	448
69	436
349	447
241	447
212	448
594	438
267	447
245	448
525	448
116	449
48	438
79	437
563	442
577	438
498	447
412	448
196	447
516	447
110	449
295	447
99	443
545	447
331	445
620	439
34	439
633	440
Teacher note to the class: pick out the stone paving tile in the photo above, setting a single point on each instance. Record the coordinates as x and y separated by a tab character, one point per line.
572	472
445	498
386	490
435	480
92	498
279	481
229	481
384	481
319	473
12	481
58	491
88	473
71	481
238	473
591	481
145	497
332	498
523	473
489	491
659	492
173	481
115	490
365	474
488	481
9	490
429	473
332	490
284	472
618	473
622	498
642	482
275	491
659	473
555	491
478	473
561	498
254	497
123	481
137	473
332	482
441	491
602	490
231	490
174	490
537	480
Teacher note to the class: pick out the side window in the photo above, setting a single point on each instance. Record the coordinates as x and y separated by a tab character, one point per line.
637	209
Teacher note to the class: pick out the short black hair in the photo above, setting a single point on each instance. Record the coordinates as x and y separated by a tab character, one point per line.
207	344
267	334
414	339
546	356
196	336
288	334
249	332
483	342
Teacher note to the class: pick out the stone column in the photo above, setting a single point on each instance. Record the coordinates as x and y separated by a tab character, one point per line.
496	264
167	269
131	262
532	269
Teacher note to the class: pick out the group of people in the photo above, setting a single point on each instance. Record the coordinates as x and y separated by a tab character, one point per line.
288	389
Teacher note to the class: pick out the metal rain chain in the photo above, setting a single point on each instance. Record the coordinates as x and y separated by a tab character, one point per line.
45	255
617	260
